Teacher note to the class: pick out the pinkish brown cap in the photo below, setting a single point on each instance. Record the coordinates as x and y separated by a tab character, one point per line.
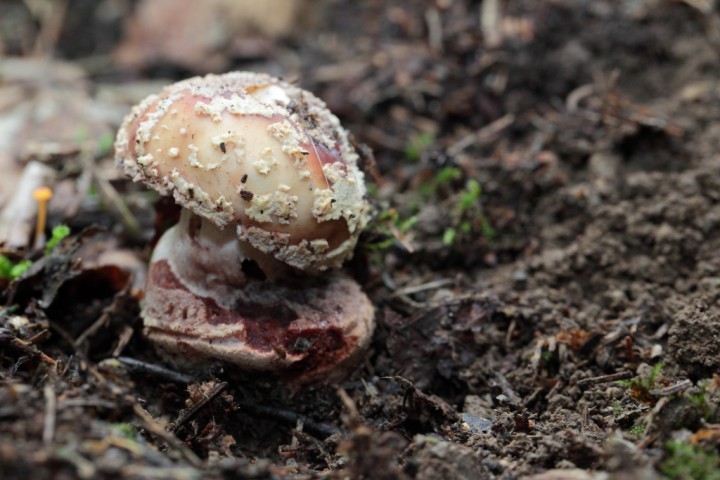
250	152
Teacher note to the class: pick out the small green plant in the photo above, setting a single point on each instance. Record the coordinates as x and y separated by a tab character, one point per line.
686	461
449	236
105	144
389	225
468	215
58	233
641	387
701	401
417	144
465	217
431	188
10	270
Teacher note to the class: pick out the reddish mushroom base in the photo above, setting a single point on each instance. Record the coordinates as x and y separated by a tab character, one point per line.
307	333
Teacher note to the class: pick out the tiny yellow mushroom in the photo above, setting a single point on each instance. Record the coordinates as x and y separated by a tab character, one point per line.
42	195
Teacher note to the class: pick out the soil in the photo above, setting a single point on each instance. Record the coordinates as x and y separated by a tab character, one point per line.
544	262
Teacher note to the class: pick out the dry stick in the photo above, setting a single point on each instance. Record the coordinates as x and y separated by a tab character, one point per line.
490	22
50	414
16	218
432	285
605	378
483	135
195	410
152	426
24	346
104	317
171	375
353	416
291	418
108	192
400	238
435	30
51	24
675	388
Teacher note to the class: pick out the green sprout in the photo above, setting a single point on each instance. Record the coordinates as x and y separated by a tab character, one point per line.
449	236
10	270
447	174
105	144
468	216
701	401
431	188
470	195
466	219
640	387
58	233
417	144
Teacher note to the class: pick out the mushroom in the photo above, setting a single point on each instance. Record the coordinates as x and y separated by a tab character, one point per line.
273	203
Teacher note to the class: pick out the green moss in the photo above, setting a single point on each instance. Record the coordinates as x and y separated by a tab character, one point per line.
685	461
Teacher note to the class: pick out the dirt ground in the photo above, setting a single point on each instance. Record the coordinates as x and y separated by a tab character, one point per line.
544	259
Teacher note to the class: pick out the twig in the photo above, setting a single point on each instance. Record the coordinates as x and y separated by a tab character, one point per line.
703	6
502	383
92	402
104	317
435	284
157	370
483	135
400	237
64	335
108	192
572	101
605	378
435	31
195	410
152	426
290	418
50	414
672	389
51	18
352	419
123	340
490	23
7	337
17	218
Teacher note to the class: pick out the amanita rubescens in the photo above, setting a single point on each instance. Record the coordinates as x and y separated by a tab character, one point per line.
272	201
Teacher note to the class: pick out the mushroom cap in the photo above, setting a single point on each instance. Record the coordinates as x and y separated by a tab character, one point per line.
252	152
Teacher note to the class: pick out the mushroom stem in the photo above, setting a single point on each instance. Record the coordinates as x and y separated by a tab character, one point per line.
213	262
42	195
